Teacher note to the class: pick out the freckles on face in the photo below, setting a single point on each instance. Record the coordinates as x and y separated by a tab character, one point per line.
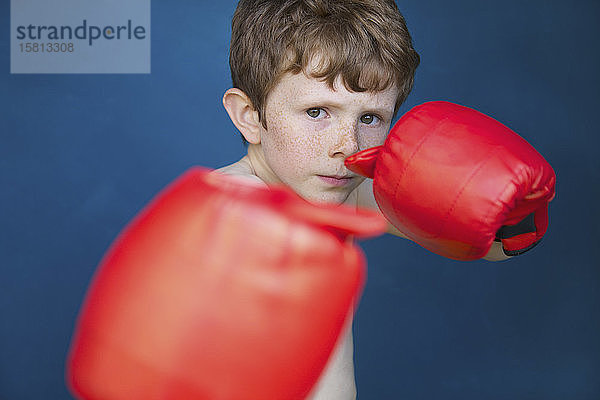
292	146
302	147
372	140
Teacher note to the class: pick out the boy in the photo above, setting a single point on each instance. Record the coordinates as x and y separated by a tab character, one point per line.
314	82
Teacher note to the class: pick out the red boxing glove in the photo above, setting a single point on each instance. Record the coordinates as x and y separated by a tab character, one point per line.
219	290
453	179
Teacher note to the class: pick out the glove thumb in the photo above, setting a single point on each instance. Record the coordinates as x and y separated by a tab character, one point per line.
363	162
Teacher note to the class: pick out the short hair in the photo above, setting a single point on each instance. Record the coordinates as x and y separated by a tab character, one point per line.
365	42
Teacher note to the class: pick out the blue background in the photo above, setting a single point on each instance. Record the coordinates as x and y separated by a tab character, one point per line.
81	154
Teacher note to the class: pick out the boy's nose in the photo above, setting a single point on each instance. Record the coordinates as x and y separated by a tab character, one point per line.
345	142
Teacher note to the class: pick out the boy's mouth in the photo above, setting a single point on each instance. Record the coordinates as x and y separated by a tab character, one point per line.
336	180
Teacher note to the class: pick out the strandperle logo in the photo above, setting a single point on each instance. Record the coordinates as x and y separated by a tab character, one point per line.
84	32
80	36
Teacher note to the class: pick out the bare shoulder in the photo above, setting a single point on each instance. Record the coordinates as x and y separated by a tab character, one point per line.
366	199
242	169
364	195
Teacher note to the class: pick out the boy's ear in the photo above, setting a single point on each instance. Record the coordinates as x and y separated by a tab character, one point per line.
242	114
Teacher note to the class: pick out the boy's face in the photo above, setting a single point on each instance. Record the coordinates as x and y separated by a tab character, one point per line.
311	129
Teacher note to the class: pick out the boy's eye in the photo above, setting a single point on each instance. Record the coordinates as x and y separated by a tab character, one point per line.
314	112
369	119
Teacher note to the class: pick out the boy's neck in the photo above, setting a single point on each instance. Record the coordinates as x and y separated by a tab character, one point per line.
259	165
